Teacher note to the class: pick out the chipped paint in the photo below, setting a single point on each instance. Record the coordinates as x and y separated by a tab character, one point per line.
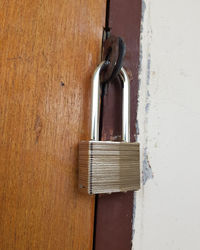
147	171
145	76
166	208
144	106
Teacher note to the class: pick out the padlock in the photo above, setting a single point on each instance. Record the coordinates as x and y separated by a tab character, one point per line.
109	166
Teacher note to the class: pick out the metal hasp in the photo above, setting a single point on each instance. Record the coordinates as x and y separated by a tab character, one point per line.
109	166
95	114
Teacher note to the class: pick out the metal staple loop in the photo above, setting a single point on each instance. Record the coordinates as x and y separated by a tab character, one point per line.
113	53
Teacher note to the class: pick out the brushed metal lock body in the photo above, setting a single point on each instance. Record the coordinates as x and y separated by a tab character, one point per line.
109	166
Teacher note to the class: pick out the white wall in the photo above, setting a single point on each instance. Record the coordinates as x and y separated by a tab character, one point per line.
167	214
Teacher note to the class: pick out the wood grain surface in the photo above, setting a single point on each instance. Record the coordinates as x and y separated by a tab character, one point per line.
48	51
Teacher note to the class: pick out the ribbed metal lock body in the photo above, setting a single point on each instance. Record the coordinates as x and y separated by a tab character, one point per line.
108	166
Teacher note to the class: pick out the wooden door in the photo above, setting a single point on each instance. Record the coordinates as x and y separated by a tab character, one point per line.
48	51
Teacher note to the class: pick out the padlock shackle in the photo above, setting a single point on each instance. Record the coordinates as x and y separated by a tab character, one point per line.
125	106
95	111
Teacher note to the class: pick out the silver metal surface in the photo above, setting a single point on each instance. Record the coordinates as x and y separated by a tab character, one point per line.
107	167
95	112
125	106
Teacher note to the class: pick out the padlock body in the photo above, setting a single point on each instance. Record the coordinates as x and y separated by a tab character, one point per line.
107	166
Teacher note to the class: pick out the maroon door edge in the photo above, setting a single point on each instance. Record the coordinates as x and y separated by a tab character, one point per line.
114	212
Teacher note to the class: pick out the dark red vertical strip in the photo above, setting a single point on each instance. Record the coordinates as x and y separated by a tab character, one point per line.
114	212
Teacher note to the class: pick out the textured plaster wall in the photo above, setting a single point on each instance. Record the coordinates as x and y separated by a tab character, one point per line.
167	213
